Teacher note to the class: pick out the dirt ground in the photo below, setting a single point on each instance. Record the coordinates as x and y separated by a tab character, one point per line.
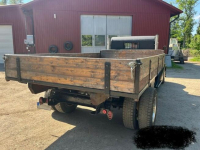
23	126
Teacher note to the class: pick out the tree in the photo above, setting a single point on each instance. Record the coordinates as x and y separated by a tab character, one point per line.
198	28
15	1
176	31
184	26
195	43
3	2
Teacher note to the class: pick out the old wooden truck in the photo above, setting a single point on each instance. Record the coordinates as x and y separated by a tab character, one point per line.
110	79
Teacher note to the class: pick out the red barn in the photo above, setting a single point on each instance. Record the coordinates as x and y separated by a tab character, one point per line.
89	24
12	30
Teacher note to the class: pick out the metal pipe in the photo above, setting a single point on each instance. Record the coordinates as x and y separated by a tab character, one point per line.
26	13
170	31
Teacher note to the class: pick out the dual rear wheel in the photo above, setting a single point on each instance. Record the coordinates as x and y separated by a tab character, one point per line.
141	114
135	115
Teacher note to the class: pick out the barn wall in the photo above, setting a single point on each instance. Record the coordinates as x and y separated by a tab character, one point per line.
149	18
12	15
152	24
50	31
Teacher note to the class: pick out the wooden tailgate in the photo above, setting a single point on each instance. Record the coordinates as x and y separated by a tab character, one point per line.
76	71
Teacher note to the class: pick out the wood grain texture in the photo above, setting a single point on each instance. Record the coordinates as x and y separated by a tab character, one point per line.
76	81
87	70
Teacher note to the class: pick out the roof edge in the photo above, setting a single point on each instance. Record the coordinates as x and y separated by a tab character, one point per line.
9	6
171	7
175	10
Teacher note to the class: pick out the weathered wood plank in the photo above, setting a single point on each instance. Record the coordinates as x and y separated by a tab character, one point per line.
87	72
129	54
121	86
72	62
89	55
77	72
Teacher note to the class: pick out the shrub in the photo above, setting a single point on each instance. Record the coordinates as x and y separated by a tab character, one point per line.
195	53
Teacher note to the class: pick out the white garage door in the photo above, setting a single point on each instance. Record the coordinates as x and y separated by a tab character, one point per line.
97	30
6	41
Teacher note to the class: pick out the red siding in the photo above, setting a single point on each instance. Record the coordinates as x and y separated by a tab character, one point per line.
152	24
12	15
50	31
149	18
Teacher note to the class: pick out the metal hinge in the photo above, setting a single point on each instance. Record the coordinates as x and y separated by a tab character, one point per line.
4	57
133	65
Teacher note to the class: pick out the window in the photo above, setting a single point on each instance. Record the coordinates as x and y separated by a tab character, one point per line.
174	41
99	40
127	45
86	40
131	45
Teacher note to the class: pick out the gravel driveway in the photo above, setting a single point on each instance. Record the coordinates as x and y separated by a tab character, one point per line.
22	126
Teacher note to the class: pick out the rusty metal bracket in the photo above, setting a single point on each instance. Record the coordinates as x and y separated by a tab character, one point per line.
132	65
149	71
158	65
18	69
107	78
5	60
137	76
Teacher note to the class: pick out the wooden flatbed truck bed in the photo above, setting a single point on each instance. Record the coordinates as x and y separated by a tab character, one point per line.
112	78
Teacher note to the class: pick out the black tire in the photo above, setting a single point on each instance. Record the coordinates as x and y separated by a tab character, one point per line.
65	107
53	49
48	94
163	76
68	45
130	113
181	60
146	105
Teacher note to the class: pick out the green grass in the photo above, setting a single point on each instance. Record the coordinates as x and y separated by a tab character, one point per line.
195	59
175	66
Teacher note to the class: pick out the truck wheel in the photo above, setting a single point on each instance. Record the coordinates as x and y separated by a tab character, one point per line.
48	94
147	108
130	113
65	107
181	60
163	80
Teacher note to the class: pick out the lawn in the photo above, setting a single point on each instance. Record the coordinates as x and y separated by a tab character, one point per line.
195	59
175	66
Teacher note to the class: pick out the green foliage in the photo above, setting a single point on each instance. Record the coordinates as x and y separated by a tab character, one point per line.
176	32
195	43
15	1
198	29
183	27
3	2
175	66
86	40
195	59
194	53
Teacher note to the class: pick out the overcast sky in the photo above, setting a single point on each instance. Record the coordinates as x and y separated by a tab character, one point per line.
196	17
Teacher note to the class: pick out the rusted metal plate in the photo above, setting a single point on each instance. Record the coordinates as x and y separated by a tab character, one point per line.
97	98
35	88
